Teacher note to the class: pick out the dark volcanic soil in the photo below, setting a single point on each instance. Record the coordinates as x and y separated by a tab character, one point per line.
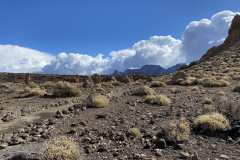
102	133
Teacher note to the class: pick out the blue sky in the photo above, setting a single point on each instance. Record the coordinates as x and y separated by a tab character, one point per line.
91	27
98	26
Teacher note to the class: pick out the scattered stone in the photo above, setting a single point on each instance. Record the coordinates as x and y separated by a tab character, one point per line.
72	132
8	118
65	111
224	156
58	114
71	109
83	123
184	155
160	143
3	108
180	146
100	116
3	145
40	130
159	153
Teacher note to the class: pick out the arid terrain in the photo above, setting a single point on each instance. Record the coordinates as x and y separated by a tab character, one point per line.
193	113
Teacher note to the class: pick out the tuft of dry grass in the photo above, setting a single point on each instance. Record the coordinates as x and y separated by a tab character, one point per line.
30	92
207	101
61	150
97	101
174	90
207	109
65	89
144	90
158	84
196	88
177	131
222	93
158	99
134	131
211	122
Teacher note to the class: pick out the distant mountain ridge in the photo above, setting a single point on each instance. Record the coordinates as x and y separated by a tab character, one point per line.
150	69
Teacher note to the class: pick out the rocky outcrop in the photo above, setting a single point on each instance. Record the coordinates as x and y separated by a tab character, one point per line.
231	40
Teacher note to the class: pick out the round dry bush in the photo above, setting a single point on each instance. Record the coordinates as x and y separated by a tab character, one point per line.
144	90
177	131
211	122
158	84
134	131
61	150
97	101
207	101
158	99
30	92
65	89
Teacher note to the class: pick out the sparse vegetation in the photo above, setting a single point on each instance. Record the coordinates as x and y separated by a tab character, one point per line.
211	122
207	101
177	131
158	84
158	99
61	150
174	90
144	90
97	101
134	131
65	89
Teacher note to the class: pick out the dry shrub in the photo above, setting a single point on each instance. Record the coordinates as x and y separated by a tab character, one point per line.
211	122
30	92
134	131
222	93
214	83
177	131
196	88
189	81
207	109
116	83
144	90
207	101
99	89
158	99
158	84
48	85
227	107
96	78
61	150
174	90
97	101
65	89
178	77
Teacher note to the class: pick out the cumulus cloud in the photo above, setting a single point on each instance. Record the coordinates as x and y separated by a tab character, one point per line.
166	51
76	64
199	36
19	59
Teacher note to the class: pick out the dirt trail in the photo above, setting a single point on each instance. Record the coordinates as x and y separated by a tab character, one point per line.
8	127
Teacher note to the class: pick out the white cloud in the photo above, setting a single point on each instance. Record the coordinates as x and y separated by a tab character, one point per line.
199	36
76	64
166	51
20	59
